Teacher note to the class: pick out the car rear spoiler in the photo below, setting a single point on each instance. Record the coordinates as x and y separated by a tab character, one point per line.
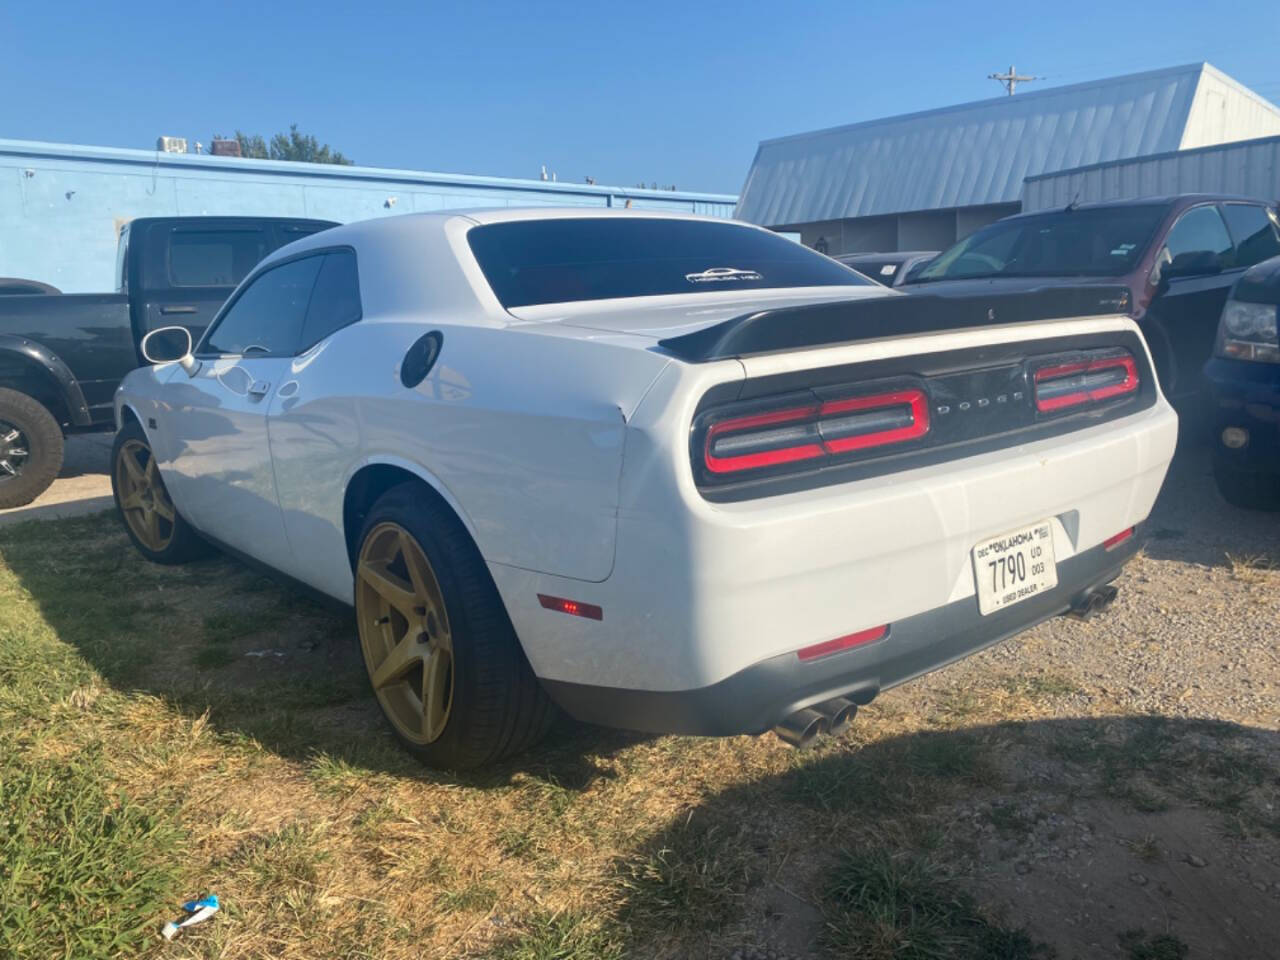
852	321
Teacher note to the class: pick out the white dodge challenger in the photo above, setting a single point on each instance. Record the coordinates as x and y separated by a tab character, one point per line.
668	473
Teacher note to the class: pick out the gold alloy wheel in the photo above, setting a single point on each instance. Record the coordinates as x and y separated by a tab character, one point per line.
404	633
144	501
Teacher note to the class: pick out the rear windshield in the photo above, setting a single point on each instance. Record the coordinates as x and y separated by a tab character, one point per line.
600	258
1092	242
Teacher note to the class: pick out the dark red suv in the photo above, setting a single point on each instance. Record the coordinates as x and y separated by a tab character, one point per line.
1179	257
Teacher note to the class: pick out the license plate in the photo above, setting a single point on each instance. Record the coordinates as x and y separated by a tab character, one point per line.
1014	567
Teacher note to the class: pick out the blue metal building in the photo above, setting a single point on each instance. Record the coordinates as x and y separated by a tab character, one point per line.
62	206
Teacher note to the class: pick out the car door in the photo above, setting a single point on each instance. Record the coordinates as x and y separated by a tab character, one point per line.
1195	272
315	430
192	268
221	463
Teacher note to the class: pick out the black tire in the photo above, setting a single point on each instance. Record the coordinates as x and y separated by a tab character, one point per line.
40	436
181	542
1248	489
498	707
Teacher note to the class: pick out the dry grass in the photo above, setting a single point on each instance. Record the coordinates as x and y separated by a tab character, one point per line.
149	758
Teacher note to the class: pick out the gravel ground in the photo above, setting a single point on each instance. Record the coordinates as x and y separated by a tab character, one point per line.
1195	630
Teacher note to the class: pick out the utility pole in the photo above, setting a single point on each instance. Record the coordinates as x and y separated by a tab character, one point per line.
1010	80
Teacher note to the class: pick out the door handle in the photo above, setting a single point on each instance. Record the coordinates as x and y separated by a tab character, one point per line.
169	310
258	389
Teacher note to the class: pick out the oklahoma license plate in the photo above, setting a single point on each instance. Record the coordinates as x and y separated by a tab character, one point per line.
1015	566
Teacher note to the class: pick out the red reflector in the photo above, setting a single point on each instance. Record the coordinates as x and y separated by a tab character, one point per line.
571	607
843	643
1059	399
1118	539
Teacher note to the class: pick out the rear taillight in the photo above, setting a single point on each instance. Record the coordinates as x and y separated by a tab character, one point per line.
1063	386
810	431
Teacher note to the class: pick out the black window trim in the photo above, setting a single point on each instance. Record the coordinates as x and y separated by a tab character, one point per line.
265	268
359	300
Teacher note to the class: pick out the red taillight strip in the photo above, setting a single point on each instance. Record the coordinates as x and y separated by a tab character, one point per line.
765	458
571	607
915	400
1128	385
1112	542
843	643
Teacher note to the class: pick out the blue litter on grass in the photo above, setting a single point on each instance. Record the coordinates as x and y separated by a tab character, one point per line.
198	911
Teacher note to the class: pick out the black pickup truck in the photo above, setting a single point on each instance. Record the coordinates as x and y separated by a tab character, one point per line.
63	355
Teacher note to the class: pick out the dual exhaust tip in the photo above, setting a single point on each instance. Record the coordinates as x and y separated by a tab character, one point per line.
804	726
833	716
1093	602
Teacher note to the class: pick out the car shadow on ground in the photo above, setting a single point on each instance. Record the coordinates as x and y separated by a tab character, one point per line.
1192	523
987	842
262	659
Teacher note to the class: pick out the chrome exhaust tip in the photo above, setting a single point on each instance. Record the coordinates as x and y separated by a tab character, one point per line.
1093	602
801	727
839	713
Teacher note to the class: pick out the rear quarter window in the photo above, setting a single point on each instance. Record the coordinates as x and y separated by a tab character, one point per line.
214	258
528	262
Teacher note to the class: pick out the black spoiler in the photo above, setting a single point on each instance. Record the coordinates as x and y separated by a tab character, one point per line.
852	321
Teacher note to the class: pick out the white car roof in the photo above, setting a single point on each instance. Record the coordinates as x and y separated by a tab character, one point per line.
420	263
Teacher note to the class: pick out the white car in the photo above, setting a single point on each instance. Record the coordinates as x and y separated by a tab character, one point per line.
666	472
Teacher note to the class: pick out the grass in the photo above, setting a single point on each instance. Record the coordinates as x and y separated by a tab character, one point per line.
146	757
1137	945
1251	568
882	905
85	869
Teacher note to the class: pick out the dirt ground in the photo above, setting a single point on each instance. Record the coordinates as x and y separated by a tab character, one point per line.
1108	789
83	485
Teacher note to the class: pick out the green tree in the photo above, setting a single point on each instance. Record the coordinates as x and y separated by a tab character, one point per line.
295	146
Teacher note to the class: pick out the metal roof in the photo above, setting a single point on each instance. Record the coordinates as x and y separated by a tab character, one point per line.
548	191
1247	168
979	153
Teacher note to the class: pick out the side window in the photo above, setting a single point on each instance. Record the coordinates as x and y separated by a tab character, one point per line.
335	301
1198	243
266	319
1255	235
214	258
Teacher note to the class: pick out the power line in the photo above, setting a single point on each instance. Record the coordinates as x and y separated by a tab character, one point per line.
1011	79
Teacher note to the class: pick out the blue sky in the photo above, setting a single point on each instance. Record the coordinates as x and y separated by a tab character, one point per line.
677	93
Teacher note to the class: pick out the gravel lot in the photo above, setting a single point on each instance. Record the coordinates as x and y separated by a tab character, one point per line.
1195	630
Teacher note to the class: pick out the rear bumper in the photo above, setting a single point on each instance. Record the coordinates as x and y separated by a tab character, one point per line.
759	697
1246	395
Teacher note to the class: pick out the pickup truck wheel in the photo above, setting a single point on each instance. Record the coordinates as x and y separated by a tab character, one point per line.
443	658
153	523
30	448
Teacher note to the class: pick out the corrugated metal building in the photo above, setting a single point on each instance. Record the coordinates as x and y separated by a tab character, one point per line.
1250	168
62	206
922	180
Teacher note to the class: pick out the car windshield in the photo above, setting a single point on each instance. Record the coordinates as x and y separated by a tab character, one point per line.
1097	241
531	262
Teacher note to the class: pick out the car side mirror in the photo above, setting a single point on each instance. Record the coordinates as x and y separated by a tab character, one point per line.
1193	263
170	345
